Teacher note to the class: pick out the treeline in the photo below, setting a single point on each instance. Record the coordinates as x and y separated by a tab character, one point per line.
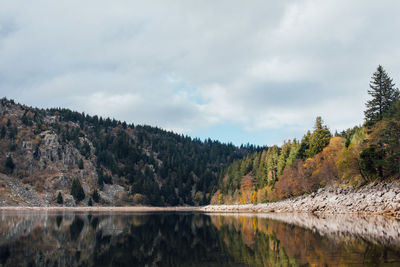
159	167
156	167
355	156
254	177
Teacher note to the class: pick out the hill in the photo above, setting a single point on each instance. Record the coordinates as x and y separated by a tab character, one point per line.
58	156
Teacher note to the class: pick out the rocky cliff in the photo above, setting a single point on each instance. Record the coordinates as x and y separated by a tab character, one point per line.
44	165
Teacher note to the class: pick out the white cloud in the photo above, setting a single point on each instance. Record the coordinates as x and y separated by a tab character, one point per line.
189	65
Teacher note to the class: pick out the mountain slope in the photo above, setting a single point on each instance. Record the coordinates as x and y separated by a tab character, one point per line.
44	151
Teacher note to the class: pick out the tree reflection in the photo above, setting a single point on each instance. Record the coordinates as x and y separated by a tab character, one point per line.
76	227
72	239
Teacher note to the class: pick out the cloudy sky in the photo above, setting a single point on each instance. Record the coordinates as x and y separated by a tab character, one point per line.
236	71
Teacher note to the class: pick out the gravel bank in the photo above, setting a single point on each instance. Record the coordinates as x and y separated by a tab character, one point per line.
376	198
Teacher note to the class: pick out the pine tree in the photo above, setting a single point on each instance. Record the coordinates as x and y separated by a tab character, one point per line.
3	132
77	190
80	164
96	196
284	154
272	164
60	198
90	203
293	154
10	165
319	138
383	95
304	146
262	171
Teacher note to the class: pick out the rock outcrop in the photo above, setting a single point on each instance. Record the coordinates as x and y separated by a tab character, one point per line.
44	164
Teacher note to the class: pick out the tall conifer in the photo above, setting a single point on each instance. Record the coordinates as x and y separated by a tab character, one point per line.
383	94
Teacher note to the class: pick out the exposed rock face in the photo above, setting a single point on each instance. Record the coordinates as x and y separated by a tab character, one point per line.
373	198
45	165
110	193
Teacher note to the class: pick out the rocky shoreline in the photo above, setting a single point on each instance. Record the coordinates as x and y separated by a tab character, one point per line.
375	198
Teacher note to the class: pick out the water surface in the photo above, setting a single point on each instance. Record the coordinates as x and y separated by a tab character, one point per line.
188	239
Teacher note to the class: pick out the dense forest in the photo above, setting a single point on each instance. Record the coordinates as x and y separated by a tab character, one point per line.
352	157
154	166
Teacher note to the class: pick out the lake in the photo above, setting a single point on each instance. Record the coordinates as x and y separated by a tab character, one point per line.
193	239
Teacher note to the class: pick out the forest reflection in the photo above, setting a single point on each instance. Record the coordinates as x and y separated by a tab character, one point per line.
186	239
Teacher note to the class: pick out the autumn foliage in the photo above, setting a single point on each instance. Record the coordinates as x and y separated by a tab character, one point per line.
307	176
354	157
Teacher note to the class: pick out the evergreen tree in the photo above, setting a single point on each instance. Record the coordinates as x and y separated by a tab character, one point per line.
100	181
3	132
246	165
80	164
272	164
90	203
77	190
24	119
391	147
256	162
319	138
12	133
9	164
294	151
284	154
304	146
60	198
383	95
262	170
96	196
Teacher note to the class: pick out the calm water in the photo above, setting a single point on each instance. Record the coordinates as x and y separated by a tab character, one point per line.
168	239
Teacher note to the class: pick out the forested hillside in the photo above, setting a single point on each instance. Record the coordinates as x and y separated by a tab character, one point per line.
352	157
58	155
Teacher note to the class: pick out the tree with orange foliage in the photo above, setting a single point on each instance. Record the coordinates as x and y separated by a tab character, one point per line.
307	176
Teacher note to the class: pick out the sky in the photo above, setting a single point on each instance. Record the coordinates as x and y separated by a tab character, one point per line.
256	72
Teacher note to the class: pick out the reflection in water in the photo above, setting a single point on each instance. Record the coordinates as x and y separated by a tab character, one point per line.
167	239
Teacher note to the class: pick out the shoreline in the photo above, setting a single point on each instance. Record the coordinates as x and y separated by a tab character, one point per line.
138	209
372	199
